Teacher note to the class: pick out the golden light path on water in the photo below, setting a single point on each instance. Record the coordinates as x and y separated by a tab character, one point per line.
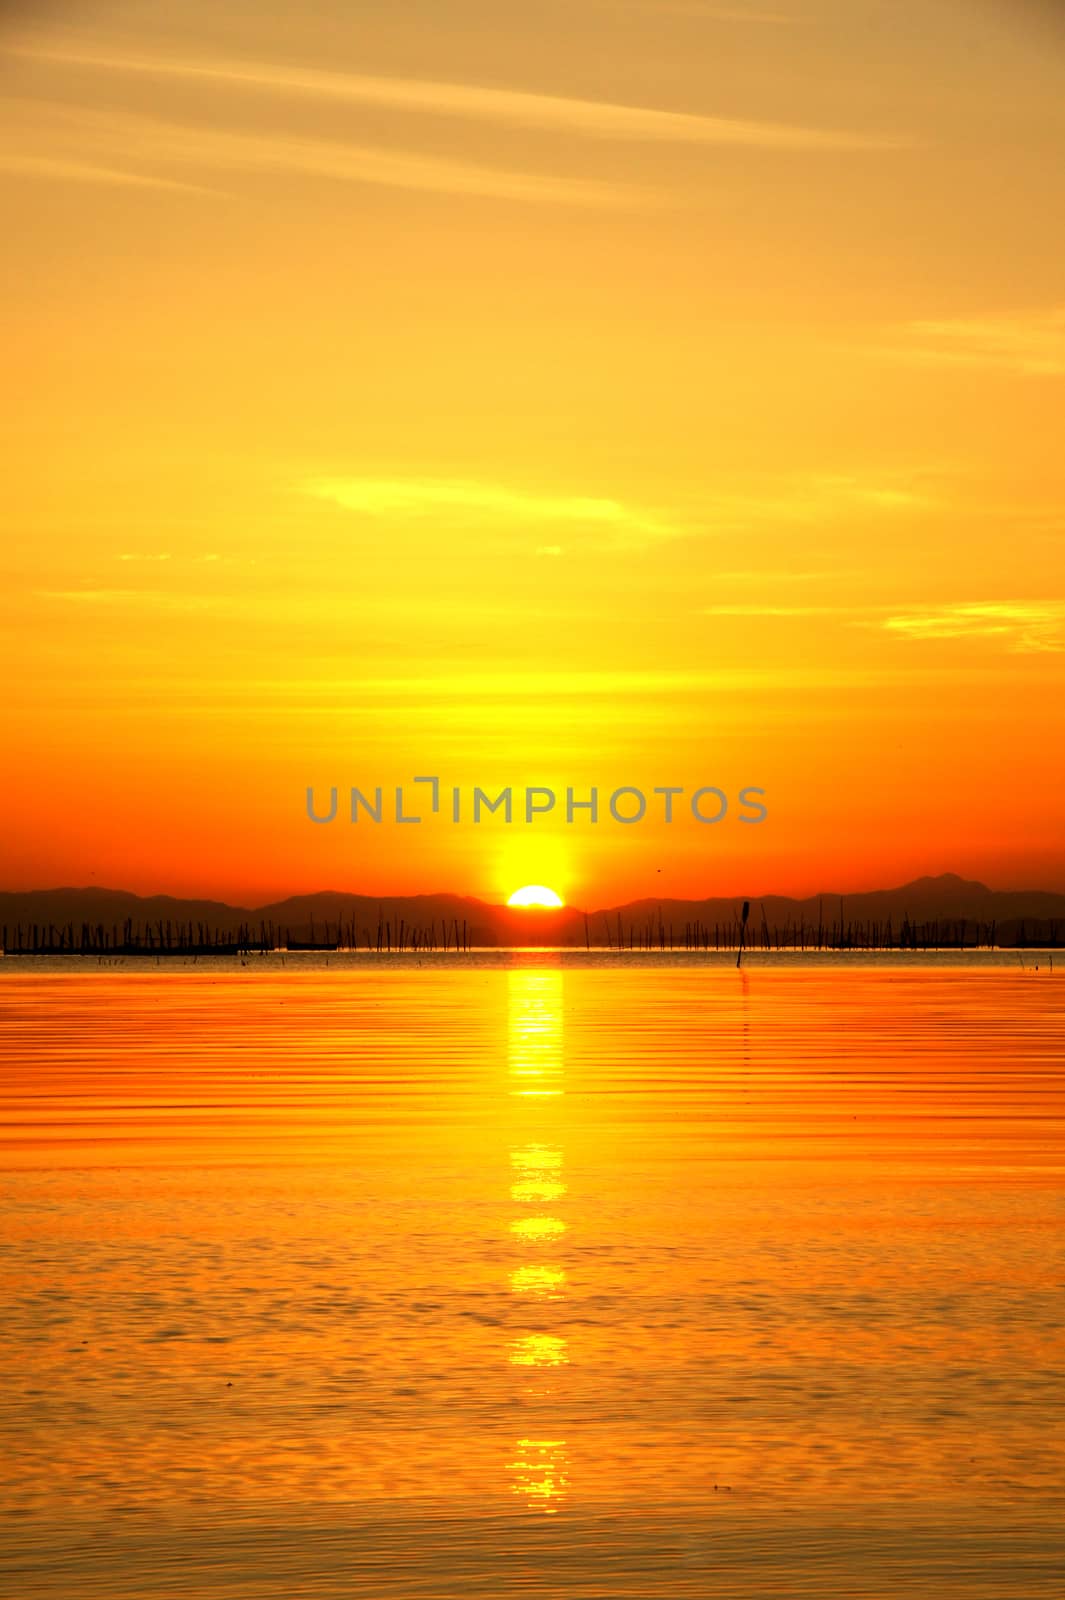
537	1072
645	1281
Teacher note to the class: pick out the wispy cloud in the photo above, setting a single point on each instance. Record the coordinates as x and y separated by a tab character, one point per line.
1024	628
316	603
812	499
785	575
60	169
496	504
1021	627
159	599
808	501
514	107
756	609
707	12
1028	344
118	143
453	684
459	688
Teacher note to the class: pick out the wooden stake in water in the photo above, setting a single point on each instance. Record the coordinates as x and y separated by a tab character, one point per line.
743	929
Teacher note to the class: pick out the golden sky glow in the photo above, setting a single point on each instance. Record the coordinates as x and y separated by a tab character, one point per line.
617	394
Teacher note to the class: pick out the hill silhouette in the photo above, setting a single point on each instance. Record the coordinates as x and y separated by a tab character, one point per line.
954	909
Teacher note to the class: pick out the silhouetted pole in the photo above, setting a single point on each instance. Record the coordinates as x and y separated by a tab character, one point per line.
743	929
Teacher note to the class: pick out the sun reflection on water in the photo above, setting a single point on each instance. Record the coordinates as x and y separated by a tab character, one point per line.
541	1282
536	1033
539	1350
537	1189
537	1175
534	1228
539	1470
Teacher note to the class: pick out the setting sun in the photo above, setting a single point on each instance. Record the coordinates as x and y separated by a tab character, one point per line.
534	894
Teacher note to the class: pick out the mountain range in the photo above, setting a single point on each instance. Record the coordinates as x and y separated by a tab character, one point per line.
945	904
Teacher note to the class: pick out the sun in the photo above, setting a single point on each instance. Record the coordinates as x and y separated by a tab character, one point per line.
534	894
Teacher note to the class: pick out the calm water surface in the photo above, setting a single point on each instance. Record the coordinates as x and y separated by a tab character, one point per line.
562	1280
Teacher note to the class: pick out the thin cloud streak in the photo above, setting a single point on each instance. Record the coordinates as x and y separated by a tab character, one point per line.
513	107
813	499
419	498
1027	629
707	13
786	575
59	170
159	599
1022	627
309	605
454	685
121	137
1024	344
810	500
757	610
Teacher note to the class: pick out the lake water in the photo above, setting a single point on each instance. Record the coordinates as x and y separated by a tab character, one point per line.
517	1276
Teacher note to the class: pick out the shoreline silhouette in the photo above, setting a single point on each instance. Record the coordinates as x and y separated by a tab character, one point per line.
940	913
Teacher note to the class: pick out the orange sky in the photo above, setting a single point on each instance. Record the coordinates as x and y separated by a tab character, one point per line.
629	393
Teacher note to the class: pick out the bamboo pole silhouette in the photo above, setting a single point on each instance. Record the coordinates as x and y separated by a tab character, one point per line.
743	929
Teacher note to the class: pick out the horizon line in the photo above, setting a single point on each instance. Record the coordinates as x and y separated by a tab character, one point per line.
539	912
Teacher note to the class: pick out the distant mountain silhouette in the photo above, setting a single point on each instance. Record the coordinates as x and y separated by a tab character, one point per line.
945	909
